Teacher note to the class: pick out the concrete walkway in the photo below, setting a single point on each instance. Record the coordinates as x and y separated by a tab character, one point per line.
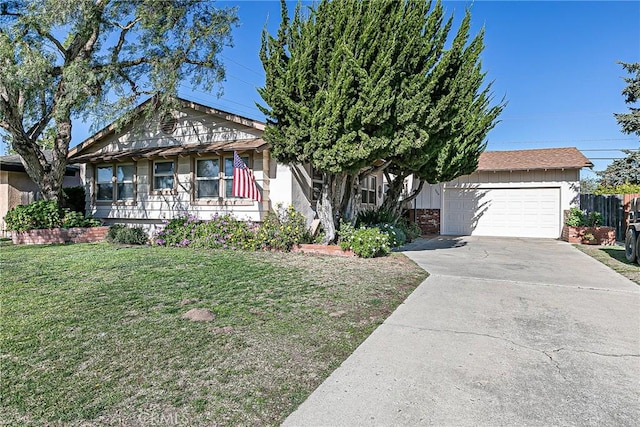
505	332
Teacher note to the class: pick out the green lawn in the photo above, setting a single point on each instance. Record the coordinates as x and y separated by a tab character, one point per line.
614	258
93	334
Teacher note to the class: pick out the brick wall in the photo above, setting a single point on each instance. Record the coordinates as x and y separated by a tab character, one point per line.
603	235
427	219
59	235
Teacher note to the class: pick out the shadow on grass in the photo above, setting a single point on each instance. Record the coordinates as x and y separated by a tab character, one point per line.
618	254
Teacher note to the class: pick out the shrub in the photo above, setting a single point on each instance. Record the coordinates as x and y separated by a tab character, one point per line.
396	235
367	243
45	214
119	233
221	232
178	231
575	218
36	215
411	229
77	219
74	199
594	219
371	217
282	230
346	232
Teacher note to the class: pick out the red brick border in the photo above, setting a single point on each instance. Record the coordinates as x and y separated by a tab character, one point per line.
59	235
603	235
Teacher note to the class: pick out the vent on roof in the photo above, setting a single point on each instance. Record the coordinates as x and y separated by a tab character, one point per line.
168	124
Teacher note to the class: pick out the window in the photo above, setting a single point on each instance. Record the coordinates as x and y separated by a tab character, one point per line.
207	178
163	175
104	183
368	188
228	174
316	184
124	182
214	181
123	175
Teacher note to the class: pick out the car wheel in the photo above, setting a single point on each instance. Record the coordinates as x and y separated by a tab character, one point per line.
638	250
631	245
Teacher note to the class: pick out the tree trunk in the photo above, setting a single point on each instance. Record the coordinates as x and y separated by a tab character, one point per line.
325	209
393	197
48	175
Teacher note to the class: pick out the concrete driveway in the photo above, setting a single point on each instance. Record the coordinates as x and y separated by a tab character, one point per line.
511	332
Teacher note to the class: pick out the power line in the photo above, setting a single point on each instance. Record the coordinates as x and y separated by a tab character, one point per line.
242	65
564	141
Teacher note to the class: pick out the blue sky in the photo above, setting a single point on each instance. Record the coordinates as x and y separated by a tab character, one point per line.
555	62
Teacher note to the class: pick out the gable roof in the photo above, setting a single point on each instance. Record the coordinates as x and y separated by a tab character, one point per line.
539	159
74	153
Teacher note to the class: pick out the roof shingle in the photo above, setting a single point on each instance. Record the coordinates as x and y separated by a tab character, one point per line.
545	158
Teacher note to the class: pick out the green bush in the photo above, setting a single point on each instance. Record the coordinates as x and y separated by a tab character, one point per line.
396	235
367	243
74	199
371	217
575	218
411	229
594	219
119	233
280	230
77	219
45	214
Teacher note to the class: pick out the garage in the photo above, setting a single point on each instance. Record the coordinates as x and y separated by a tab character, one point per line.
509	212
520	193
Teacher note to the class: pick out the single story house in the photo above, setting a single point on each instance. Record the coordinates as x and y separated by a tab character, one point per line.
521	193
17	188
157	169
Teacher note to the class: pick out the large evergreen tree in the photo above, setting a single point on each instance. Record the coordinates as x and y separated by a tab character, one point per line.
358	83
63	59
622	171
630	122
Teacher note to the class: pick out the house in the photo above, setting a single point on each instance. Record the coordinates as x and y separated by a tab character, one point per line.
157	169
17	188
521	193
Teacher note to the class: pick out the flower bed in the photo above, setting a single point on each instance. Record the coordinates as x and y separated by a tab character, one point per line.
602	235
59	235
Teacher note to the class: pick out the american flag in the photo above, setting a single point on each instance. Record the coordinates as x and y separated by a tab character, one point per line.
244	183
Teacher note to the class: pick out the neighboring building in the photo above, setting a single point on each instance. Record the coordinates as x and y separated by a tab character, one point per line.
17	188
521	193
153	171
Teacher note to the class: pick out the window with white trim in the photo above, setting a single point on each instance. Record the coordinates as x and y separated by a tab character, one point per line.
115	182
208	178
214	181
163	175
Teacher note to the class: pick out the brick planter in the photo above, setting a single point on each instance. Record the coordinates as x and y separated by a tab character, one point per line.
59	235
333	250
603	235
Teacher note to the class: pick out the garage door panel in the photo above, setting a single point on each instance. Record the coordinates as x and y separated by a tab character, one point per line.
517	212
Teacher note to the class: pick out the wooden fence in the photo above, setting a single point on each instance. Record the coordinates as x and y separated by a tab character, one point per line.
614	209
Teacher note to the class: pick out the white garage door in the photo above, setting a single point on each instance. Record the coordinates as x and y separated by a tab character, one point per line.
516	212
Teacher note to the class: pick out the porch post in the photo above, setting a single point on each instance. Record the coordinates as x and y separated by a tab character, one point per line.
266	171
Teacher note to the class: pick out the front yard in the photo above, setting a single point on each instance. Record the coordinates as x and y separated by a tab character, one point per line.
93	334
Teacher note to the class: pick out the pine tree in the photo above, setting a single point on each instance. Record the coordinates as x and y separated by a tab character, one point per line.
355	83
